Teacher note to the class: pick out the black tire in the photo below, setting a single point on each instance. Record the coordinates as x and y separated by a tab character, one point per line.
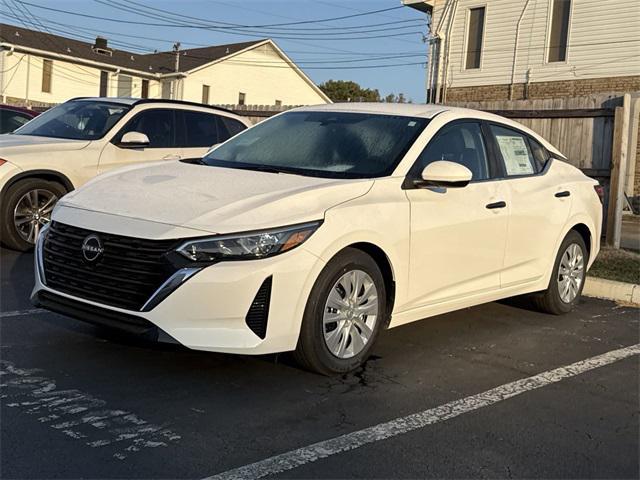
9	235
550	301
312	352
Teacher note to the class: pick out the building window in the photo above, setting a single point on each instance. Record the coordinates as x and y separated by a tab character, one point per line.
475	33
124	86
104	84
145	89
559	33
47	72
205	94
241	98
278	103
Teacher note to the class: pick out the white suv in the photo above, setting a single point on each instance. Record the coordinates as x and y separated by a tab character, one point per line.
70	144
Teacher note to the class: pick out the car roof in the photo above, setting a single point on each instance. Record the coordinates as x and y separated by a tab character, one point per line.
15	108
129	101
426	111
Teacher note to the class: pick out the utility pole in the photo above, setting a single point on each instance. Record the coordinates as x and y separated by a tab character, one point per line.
174	83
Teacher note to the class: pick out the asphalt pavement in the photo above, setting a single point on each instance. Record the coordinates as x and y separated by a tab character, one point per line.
79	401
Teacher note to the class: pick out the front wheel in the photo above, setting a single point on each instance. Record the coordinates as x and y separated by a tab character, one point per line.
26	208
567	278
344	314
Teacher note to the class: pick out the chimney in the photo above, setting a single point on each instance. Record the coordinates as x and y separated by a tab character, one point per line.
101	48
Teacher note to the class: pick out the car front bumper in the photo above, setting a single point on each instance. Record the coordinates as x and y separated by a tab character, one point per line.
210	310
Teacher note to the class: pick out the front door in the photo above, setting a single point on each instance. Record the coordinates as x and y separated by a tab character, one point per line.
458	235
159	125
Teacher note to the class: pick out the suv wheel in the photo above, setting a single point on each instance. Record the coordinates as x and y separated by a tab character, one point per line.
344	314
26	208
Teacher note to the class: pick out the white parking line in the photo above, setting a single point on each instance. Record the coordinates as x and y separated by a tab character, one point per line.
350	441
18	313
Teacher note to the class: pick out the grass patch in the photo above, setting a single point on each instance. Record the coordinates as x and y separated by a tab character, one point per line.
620	265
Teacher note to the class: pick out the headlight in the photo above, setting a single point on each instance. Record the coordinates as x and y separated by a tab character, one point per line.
248	246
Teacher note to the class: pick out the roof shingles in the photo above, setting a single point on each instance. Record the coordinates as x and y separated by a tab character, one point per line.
153	63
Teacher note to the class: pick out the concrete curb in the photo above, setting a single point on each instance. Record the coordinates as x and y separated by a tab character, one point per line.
611	290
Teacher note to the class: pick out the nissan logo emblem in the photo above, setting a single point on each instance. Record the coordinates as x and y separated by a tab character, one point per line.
92	248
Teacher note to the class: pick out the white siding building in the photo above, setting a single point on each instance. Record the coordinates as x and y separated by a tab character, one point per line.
38	68
497	49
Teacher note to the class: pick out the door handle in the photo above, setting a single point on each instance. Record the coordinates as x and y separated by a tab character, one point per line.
494	205
172	157
566	193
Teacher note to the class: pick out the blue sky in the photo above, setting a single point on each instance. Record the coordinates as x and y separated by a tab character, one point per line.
311	46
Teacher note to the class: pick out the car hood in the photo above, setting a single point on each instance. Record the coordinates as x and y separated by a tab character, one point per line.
209	199
11	144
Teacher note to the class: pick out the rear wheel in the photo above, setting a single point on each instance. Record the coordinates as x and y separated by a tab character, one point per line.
26	208
344	313
567	278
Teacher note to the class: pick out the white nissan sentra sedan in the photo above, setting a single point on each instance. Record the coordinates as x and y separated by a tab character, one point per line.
318	228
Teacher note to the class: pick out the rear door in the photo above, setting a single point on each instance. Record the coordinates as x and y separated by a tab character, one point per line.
539	206
159	125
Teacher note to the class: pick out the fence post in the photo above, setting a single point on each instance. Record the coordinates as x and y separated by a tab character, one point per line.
618	172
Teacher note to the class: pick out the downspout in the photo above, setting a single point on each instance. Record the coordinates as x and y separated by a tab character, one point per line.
515	50
26	93
437	54
445	69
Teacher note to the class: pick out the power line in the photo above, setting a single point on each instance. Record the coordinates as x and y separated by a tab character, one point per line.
181	16
232	30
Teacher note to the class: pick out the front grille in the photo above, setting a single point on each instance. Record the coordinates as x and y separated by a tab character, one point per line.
125	276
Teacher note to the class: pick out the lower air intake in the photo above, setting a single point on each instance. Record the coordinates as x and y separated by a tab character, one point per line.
258	313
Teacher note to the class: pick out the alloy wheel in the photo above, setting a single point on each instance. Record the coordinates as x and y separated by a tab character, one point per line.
350	314
570	273
32	212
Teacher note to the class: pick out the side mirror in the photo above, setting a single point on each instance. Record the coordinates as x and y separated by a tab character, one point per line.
134	140
445	174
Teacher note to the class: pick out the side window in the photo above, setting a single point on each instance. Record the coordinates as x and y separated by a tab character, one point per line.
232	127
461	143
9	120
157	124
540	154
200	129
514	149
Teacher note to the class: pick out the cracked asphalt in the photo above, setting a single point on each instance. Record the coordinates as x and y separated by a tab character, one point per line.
160	411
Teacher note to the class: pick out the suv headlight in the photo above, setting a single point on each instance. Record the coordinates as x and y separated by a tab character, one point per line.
248	246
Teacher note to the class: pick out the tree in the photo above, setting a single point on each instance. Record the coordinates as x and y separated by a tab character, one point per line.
348	91
400	98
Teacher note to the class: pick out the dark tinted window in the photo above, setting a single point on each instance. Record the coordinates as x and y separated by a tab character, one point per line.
514	148
157	124
460	143
540	154
232	126
10	120
201	129
474	37
559	33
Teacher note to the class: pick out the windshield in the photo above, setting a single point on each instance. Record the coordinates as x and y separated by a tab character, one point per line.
76	120
325	144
